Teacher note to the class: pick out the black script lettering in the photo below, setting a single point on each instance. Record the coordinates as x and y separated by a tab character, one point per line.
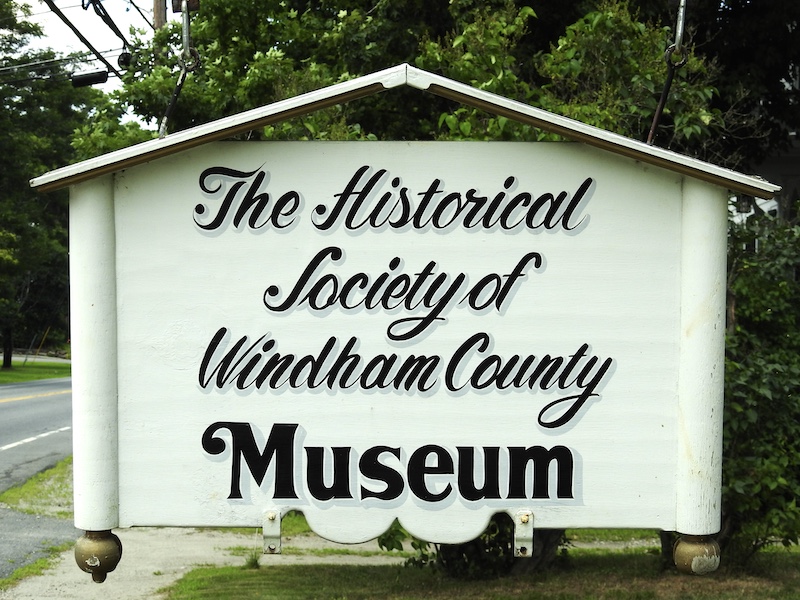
373	469
491	473
419	469
335	367
393	289
366	203
359	198
541	458
501	290
315	473
432	473
253	204
280	444
471	367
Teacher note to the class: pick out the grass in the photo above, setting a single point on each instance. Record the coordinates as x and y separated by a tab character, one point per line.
292	523
34	370
35	568
613	535
594	574
288	549
48	493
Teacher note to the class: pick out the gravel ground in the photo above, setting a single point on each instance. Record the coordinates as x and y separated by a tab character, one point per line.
22	537
153	558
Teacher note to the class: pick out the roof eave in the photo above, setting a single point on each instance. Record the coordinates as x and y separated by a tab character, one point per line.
422	80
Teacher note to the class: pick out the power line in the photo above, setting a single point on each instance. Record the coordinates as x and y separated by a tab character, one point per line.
43	64
23	16
81	37
29	70
56	78
141	14
101	12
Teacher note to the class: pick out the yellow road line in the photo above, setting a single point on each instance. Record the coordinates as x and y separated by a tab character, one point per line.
31	396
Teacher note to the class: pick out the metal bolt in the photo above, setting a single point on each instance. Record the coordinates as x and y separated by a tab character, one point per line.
524	518
272	516
272	548
523	550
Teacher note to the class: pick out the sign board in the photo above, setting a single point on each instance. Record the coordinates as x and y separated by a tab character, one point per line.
434	332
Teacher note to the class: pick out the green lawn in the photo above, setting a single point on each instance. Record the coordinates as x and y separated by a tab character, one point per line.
592	574
33	370
48	493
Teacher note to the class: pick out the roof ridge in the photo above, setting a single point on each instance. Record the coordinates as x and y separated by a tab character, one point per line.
397	76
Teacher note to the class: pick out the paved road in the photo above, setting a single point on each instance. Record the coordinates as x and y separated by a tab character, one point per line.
35	428
35	433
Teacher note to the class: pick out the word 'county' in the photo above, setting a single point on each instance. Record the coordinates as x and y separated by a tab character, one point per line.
373	199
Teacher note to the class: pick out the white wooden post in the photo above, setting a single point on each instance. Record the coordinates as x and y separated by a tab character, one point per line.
94	353
701	374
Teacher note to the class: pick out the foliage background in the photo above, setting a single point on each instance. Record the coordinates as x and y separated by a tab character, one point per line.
39	111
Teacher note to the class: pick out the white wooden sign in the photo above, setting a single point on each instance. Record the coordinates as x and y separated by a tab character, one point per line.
433	332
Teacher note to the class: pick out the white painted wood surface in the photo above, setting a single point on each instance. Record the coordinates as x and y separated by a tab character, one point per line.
615	283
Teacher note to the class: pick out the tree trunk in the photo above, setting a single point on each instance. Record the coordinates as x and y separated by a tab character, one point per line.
8	347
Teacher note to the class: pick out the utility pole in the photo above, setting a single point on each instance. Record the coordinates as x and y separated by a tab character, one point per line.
159	13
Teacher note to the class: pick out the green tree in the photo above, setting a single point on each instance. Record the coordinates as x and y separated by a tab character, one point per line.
756	45
762	411
39	111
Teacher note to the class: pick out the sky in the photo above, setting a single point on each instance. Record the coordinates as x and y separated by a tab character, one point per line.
59	37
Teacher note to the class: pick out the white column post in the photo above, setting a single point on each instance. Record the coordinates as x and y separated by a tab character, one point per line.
701	378
94	354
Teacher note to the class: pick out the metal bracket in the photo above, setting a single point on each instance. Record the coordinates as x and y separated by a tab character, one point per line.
272	531
523	534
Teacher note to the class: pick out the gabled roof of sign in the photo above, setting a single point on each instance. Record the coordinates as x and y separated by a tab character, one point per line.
391	78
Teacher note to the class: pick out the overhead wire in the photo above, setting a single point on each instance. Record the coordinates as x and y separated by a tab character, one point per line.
61	77
33	68
141	14
68	58
18	17
101	11
44	63
81	37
